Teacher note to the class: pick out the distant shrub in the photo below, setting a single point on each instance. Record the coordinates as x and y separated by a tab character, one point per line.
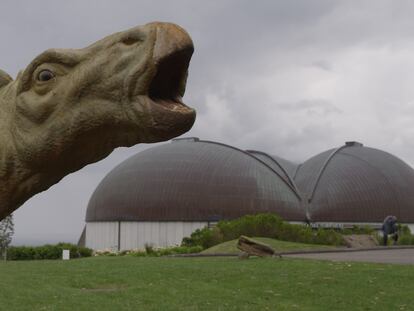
152	252
265	225
405	236
47	251
328	237
404	230
149	248
194	238
205	238
261	225
406	239
357	230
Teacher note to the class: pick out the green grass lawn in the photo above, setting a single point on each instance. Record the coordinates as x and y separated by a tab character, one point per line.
230	247
132	283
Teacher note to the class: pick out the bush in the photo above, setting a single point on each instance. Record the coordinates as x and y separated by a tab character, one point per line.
328	237
265	225
357	230
405	238
150	251
206	237
404	230
261	225
166	251
47	251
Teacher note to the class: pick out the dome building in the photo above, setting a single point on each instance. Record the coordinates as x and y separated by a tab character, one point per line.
164	193
356	184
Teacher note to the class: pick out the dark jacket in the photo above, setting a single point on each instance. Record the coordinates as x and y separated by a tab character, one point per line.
390	225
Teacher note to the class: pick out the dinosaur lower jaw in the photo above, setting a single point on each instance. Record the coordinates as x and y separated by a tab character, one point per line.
169	118
170	105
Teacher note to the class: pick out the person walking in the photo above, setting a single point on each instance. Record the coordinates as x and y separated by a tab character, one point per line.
389	227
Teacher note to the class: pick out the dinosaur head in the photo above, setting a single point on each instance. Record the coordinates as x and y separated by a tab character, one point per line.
74	106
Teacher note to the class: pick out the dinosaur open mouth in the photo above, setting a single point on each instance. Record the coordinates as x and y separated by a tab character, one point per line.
168	85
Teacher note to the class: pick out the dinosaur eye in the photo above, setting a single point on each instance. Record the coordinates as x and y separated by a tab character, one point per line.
45	75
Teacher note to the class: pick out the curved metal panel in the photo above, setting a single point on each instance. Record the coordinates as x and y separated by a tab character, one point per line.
321	171
191	181
283	167
282	175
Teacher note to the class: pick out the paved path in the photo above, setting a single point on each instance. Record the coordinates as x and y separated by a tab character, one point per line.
396	256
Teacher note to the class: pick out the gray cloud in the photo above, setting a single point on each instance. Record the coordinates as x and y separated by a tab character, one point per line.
292	78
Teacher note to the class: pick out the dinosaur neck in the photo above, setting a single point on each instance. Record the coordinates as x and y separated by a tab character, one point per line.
18	183
9	174
7	152
14	176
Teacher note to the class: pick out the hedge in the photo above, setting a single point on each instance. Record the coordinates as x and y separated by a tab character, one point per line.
47	251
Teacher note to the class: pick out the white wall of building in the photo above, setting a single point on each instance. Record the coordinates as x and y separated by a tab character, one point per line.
134	235
102	235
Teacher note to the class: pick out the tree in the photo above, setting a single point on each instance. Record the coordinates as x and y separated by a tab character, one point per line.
6	233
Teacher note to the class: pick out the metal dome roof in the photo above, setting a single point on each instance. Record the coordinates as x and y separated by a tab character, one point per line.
284	168
356	184
193	180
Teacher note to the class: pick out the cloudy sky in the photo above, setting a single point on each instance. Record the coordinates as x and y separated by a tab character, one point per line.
291	78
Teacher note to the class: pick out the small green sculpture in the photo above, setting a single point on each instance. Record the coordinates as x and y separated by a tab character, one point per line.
73	107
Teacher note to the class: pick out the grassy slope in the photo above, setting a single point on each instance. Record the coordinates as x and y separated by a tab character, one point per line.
128	283
279	246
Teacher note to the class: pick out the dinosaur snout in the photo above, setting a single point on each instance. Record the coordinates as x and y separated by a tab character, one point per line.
170	39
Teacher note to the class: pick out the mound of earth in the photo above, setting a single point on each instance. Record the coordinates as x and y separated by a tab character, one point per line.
360	241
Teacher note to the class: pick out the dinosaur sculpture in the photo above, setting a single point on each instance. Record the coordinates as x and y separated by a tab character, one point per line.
73	107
